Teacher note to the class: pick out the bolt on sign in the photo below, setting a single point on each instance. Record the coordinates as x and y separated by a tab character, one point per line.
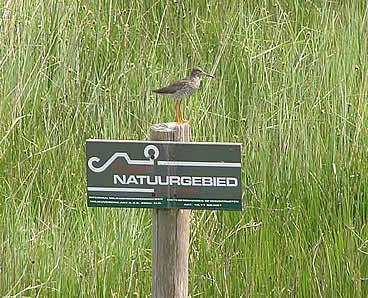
152	174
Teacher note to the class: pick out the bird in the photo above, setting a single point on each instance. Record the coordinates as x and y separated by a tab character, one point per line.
182	88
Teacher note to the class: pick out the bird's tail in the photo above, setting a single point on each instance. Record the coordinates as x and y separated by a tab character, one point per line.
157	90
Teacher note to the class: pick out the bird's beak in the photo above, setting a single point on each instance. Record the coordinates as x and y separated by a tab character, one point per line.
208	75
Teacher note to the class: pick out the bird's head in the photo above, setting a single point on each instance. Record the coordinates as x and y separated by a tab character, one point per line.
197	72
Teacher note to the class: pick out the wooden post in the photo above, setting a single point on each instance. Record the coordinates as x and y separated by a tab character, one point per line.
170	231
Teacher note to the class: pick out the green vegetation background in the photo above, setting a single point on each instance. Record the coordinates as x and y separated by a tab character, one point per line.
292	86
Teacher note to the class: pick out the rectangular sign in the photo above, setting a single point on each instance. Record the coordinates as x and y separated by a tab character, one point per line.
145	174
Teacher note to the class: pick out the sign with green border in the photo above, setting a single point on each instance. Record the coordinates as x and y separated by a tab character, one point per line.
151	174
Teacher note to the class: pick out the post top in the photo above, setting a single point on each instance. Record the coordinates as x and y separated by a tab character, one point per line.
169	126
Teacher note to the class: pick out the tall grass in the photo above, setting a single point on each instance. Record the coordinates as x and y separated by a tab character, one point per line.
292	86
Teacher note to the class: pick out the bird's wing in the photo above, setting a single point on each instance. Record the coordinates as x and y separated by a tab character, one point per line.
172	88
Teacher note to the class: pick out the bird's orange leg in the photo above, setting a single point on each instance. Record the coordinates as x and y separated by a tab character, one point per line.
177	109
181	115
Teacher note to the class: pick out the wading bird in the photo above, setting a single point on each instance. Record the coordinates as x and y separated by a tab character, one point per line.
182	88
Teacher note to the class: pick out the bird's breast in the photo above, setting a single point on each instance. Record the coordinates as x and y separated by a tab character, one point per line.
196	82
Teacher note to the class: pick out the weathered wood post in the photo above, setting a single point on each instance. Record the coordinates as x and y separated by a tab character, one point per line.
170	231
